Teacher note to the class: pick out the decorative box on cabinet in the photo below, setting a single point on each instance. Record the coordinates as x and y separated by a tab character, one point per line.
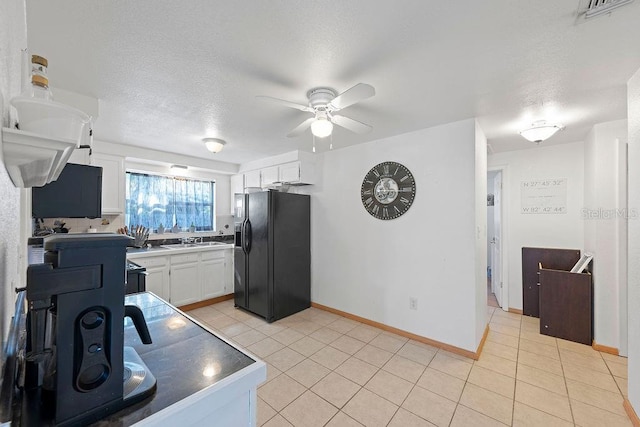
555	259
566	305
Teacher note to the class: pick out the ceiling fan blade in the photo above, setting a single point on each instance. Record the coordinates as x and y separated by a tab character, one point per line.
350	124
287	103
359	92
299	130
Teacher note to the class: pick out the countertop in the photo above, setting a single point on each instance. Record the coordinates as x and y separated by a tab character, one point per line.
184	357
133	253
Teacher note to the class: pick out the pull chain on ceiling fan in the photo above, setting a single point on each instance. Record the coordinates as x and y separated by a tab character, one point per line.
323	103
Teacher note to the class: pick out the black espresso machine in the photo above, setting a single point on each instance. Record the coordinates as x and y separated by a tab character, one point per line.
77	367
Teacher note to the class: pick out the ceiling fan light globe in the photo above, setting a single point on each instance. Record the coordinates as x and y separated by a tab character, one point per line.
321	127
540	132
214	145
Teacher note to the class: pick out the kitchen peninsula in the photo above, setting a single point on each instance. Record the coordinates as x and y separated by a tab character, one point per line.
200	375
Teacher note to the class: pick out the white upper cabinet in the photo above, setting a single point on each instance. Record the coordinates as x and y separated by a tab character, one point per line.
113	182
290	172
269	176
252	179
236	184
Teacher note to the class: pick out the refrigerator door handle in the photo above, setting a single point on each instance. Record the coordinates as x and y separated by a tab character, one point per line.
243	233
247	237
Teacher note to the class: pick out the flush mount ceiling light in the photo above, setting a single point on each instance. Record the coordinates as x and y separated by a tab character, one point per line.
214	145
321	127
540	131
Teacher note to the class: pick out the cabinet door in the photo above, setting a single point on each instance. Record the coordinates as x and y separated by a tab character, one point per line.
228	270
236	185
157	281
269	176
185	283
213	278
290	172
252	179
113	181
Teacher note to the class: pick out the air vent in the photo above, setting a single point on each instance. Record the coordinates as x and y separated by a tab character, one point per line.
599	7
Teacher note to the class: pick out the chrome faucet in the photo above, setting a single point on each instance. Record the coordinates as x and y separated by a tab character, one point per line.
187	240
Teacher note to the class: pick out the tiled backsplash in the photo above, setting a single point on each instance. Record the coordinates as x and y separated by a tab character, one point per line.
111	223
81	225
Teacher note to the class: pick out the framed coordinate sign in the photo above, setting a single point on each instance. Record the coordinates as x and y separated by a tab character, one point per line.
388	190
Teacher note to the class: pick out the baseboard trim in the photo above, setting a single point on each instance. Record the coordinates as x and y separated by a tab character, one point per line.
206	302
482	341
419	338
515	310
605	349
631	413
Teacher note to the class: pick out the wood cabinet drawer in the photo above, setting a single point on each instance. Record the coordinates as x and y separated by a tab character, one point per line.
213	254
149	262
185	258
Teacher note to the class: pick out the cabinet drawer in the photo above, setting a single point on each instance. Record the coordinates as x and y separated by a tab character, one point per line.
149	262
214	254
185	258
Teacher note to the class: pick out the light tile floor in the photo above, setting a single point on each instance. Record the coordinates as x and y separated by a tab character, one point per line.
325	370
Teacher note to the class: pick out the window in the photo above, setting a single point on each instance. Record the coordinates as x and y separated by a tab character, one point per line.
153	200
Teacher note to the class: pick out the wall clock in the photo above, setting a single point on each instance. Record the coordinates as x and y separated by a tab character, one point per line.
388	190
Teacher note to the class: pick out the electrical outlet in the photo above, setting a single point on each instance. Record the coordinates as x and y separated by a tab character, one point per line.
413	303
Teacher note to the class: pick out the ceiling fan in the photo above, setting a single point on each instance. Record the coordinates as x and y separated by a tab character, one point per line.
323	103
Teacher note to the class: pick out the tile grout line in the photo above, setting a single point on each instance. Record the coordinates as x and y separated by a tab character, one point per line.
564	377
515	380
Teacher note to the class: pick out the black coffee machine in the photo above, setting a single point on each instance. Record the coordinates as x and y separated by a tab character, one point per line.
77	368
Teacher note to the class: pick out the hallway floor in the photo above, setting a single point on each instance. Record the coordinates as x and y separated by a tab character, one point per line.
492	301
325	370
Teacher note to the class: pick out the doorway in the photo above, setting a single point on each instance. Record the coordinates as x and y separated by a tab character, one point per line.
497	291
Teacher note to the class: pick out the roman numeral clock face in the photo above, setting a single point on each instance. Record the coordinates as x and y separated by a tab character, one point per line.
388	190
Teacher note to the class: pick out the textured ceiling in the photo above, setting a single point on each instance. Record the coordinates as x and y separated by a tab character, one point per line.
168	73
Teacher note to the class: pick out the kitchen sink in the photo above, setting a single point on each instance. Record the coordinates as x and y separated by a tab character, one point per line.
145	249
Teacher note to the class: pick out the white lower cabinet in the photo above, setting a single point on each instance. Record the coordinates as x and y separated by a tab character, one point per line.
157	280
213	271
187	278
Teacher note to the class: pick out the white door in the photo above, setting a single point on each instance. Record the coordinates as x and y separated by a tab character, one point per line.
496	261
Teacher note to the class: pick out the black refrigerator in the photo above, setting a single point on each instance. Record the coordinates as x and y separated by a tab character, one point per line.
272	254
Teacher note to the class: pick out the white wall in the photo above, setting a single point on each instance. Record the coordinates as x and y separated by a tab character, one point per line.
13	38
480	285
370	268
605	228
633	289
553	231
